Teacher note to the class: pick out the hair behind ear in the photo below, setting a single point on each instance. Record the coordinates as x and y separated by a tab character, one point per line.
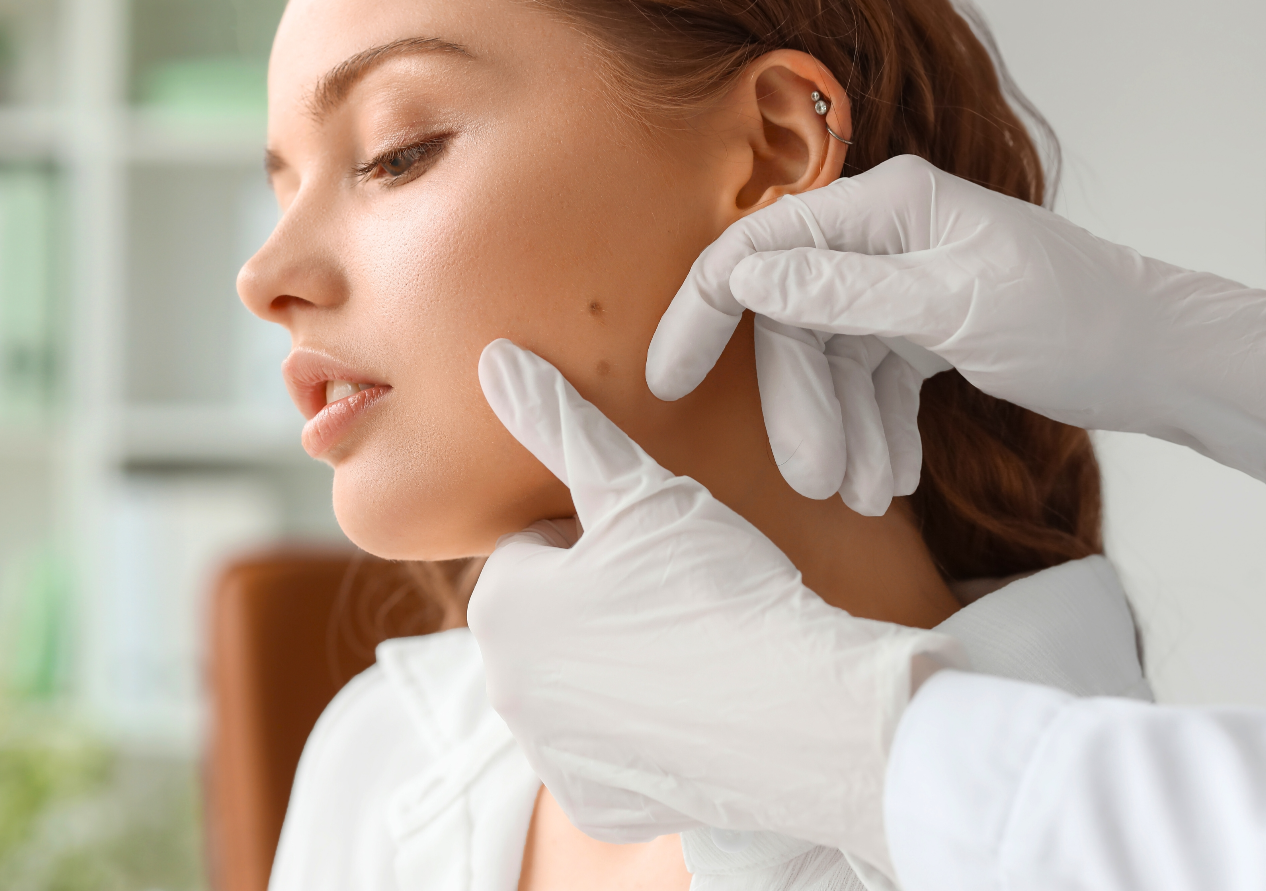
1003	490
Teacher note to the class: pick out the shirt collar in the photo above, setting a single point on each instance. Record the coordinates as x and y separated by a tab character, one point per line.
1068	627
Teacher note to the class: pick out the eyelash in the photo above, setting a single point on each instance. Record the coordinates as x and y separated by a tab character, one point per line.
420	156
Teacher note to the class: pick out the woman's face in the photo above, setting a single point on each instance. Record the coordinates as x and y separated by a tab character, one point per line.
451	173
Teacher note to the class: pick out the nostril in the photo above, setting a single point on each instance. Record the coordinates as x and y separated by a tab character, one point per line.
280	305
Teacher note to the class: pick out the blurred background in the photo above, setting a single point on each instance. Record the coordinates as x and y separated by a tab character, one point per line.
145	435
144	431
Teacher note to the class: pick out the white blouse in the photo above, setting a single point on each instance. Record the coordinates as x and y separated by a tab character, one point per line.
410	779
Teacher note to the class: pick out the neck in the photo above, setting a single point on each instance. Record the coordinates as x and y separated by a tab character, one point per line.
872	567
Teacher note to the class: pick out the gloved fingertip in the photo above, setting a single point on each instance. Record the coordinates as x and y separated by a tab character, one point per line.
666	383
689	339
811	479
904	481
493	364
868	504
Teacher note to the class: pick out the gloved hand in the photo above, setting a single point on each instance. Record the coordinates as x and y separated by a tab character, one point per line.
670	669
1027	306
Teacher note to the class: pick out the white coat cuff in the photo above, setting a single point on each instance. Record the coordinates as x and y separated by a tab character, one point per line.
962	752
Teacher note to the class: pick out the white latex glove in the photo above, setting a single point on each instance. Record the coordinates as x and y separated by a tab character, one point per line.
670	669
1027	306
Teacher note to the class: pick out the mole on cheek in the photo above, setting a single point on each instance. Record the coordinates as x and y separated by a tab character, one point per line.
596	310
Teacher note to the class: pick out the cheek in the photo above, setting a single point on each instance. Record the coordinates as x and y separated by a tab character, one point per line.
433	474
574	264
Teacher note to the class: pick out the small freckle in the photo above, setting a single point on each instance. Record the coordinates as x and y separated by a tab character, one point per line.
604	367
595	308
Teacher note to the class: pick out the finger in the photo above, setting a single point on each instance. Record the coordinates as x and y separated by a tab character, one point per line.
887	210
922	360
868	484
802	414
915	296
890	209
700	320
604	469
897	386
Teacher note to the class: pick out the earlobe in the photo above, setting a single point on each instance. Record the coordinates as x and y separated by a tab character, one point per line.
783	106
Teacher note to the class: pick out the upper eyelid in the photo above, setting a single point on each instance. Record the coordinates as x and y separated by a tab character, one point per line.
404	143
437	140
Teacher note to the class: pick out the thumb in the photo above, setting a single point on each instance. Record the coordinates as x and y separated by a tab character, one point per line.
604	469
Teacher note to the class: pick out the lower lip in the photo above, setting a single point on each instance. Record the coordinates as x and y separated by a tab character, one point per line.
333	422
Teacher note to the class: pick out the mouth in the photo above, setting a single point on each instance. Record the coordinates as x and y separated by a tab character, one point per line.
332	396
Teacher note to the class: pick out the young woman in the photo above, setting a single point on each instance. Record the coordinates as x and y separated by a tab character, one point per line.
546	171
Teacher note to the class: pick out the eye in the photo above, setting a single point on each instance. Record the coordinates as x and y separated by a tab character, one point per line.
397	166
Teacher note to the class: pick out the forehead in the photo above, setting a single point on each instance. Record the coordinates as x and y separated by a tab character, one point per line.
315	36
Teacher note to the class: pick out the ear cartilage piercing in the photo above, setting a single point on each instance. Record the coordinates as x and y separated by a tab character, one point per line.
822	106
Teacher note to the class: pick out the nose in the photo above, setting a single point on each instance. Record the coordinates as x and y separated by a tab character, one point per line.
298	269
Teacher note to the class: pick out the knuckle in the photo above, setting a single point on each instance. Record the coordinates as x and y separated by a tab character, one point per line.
910	173
907	165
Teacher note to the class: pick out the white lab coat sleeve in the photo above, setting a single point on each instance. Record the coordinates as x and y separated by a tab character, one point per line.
997	785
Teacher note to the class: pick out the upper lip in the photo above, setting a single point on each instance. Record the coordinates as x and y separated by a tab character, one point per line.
306	372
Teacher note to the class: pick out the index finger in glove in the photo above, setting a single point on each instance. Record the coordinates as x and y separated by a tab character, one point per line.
604	469
882	211
915	296
699	322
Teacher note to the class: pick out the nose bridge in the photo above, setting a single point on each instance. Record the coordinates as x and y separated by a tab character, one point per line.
300	262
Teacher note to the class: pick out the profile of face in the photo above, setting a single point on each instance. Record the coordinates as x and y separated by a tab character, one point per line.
456	171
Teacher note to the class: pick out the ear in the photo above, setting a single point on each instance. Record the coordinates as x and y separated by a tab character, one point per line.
776	142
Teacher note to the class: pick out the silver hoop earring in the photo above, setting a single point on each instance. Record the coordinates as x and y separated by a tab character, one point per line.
822	106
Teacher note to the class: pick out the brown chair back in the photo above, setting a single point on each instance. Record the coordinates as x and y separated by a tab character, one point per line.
288	630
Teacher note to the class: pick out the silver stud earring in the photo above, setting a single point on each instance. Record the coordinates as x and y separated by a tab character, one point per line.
822	106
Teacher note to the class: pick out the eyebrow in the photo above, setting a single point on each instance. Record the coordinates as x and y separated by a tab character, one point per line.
333	87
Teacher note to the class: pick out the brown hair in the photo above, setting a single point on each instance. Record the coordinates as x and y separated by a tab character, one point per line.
1003	490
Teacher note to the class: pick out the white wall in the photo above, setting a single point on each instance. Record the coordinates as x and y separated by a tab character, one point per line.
1161	109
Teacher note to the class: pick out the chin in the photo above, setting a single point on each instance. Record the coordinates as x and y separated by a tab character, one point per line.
398	517
415	495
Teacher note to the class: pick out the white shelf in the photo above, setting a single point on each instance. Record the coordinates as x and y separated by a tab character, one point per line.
28	132
160	136
27	444
149	136
185	434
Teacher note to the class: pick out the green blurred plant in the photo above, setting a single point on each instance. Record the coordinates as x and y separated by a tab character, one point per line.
34	612
77	815
42	762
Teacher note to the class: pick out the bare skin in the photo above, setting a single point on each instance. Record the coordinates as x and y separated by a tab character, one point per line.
559	857
447	192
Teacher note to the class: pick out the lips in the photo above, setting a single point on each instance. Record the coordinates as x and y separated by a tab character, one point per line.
333	397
